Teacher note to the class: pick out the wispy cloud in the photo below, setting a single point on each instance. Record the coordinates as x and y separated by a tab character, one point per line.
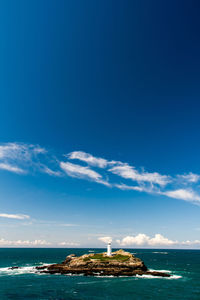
128	172
125	187
183	194
11	168
191	177
51	172
14	216
149	182
78	171
24	159
19	151
4	242
88	158
35	243
69	244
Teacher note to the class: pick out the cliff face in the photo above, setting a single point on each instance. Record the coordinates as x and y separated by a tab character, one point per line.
121	263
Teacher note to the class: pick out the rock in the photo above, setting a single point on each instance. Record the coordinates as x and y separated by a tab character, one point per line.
41	267
121	263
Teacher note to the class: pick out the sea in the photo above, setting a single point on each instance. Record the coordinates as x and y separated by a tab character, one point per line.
25	283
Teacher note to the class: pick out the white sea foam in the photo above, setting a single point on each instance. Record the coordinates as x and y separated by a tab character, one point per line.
158	277
7	271
157	252
70	274
21	270
105	276
18	271
163	271
175	277
93	282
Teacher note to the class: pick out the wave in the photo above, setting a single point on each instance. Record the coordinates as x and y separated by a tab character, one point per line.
17	271
158	252
163	271
92	282
175	277
8	271
159	277
28	269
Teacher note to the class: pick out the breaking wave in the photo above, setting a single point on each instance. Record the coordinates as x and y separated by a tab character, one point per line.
9	271
159	277
18	271
163	271
157	252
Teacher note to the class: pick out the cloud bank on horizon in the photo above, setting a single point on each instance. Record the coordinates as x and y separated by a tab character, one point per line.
34	243
25	159
143	240
140	240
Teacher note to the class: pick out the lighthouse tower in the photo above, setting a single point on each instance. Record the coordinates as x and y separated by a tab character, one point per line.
109	250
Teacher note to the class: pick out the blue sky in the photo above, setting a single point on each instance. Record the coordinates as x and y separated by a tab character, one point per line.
99	124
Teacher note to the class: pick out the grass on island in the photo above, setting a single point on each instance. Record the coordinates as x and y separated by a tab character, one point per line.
100	257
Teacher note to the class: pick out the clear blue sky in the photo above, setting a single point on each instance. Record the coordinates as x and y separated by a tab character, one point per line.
118	80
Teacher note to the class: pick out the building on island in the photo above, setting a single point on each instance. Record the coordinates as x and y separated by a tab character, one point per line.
109	249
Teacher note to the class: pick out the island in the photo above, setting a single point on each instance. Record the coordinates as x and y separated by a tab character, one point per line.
119	263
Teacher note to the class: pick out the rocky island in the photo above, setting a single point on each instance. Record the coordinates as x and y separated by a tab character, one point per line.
120	263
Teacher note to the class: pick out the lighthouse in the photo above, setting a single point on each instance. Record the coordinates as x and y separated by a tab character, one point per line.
109	250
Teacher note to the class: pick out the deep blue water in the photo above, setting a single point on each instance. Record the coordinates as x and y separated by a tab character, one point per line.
184	265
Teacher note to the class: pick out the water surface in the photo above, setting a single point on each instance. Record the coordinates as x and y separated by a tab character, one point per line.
24	283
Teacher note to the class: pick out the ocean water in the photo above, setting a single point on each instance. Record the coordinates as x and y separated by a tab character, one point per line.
24	283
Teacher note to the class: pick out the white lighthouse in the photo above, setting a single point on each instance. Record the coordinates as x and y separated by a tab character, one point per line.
109	249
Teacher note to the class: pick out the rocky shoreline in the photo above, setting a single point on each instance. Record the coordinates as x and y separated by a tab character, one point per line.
121	263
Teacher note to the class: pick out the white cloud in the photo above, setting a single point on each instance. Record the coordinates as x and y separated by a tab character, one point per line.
122	169
158	240
191	243
19	151
125	187
19	243
23	158
139	240
105	239
128	172
183	194
51	172
190	177
15	216
8	167
88	158
71	244
38	149
78	171
9	150
19	157
144	240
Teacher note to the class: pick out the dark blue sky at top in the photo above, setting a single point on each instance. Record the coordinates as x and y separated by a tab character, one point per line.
118	79
109	77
